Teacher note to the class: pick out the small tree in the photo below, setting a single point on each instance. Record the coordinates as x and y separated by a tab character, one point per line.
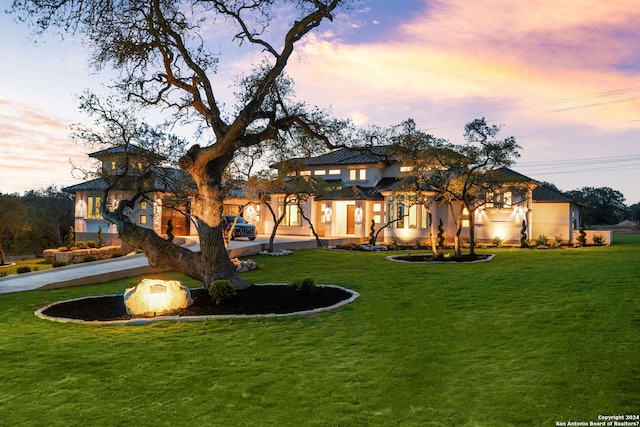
582	235
12	214
524	241
71	238
441	238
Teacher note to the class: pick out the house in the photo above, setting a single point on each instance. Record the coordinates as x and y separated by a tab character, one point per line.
366	196
165	194
168	193
362	194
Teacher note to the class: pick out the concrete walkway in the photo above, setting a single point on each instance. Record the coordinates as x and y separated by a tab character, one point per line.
134	265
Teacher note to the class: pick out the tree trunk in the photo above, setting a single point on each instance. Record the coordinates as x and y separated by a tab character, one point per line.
432	236
313	230
214	259
212	262
472	232
457	220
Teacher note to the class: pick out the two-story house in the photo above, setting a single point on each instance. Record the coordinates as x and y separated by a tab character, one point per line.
366	194
166	194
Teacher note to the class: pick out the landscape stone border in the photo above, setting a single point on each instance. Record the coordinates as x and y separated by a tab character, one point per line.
147	320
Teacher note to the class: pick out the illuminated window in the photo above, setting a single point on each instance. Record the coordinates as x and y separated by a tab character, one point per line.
291	213
334	171
426	216
113	166
143	219
406	168
143	206
320	172
413	216
93	207
305	173
377	207
401	212
357	175
506	199
139	165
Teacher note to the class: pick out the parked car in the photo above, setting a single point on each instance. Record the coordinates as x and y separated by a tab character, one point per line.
241	228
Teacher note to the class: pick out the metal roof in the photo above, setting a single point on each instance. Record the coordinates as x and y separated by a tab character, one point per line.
350	156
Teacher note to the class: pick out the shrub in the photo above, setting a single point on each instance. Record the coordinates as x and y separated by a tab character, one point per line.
582	235
81	244
23	269
524	240
542	240
440	233
305	286
3	273
221	290
56	264
100	241
72	237
497	241
89	258
91	244
557	242
598	239
116	255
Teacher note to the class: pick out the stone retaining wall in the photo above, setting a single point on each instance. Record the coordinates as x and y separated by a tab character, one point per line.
78	255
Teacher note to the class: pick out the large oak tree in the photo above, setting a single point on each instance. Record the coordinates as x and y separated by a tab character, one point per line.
167	57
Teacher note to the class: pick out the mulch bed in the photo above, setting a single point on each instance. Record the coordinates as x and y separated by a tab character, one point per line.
431	258
263	299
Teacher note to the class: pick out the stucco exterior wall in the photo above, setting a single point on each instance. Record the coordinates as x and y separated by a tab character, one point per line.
552	220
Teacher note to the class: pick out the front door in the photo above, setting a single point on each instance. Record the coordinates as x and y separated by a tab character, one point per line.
351	219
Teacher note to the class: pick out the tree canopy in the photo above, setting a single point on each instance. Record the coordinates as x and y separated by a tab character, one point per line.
168	56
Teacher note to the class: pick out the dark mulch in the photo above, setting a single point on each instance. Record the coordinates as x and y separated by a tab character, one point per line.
431	258
264	299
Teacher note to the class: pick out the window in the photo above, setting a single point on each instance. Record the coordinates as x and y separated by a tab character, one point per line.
113	166
357	174
334	172
426	217
143	219
401	212
305	173
143	206
413	216
139	165
291	211
502	200
377	207
320	172
406	168
93	207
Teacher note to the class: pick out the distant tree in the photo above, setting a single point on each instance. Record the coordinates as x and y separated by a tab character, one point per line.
12	220
602	206
634	212
49	214
167	56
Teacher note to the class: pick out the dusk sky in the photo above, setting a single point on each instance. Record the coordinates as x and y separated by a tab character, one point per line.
562	76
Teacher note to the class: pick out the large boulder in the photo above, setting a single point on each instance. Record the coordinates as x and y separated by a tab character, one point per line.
154	297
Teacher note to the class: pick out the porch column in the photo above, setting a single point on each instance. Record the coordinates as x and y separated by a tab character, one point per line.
529	205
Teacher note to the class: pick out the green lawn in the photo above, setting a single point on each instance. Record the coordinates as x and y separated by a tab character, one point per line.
35	264
528	339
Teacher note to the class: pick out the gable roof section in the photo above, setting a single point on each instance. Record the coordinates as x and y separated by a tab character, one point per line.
165	179
544	194
129	149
